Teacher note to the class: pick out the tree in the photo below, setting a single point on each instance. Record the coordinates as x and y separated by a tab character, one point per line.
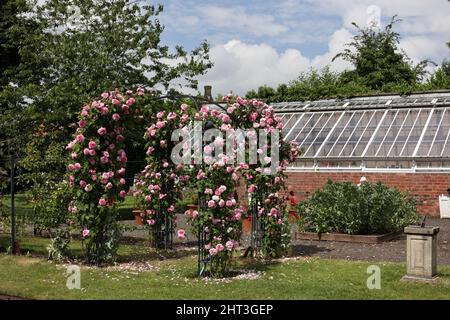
76	50
446	64
87	47
377	60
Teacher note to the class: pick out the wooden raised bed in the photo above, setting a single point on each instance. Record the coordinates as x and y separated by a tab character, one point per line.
342	237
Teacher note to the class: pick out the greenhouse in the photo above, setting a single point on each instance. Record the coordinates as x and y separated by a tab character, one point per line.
400	133
403	141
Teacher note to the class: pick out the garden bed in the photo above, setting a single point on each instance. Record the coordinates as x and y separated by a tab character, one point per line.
342	237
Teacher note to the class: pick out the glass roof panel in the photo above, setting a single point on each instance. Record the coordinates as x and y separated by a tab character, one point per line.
362	135
439	143
323	133
393	138
347	119
311	129
430	133
349	137
382	132
415	133
403	133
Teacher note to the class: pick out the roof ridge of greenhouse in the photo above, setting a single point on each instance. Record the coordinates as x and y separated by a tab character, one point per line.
383	101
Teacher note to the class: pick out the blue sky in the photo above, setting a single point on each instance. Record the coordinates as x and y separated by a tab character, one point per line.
271	42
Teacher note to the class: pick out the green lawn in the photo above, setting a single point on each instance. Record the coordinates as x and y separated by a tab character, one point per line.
23	206
174	278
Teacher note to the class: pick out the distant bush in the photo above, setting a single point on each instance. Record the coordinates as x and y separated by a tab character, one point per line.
343	207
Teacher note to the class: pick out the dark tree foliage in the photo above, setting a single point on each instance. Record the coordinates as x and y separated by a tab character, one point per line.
377	60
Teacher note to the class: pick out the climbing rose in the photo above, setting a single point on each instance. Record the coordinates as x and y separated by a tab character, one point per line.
102	131
80	138
85	232
181	234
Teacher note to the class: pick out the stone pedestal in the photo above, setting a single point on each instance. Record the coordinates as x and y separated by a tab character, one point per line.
421	253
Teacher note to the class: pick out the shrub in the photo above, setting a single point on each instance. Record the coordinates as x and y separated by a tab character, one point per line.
343	207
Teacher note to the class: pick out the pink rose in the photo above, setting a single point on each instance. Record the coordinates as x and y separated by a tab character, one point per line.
120	138
83	183
131	101
115	101
105	95
92	144
104	111
213	252
151	222
80	138
219	247
181	234
85	233
122	193
251	189
102	202
101	131
230	245
116	117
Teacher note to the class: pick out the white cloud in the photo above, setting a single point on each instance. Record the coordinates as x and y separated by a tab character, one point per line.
236	18
240	66
275	35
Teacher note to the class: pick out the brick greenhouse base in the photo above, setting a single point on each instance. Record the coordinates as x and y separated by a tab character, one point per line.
425	187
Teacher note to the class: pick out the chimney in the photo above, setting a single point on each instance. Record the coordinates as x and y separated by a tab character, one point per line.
208	93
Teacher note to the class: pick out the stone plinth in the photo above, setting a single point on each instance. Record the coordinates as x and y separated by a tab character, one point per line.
421	252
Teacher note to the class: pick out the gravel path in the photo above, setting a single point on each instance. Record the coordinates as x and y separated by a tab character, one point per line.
394	251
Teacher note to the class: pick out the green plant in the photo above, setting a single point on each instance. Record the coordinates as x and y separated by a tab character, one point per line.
370	208
59	246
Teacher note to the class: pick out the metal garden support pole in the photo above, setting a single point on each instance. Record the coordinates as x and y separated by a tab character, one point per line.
13	240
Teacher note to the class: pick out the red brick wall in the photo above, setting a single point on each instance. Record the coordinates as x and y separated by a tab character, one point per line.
425	187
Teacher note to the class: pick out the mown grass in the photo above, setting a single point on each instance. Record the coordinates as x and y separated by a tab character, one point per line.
174	278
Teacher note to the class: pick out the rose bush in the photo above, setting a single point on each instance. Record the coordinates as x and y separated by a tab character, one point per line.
160	183
264	179
96	171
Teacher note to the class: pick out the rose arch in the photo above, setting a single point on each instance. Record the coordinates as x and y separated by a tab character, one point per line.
98	164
